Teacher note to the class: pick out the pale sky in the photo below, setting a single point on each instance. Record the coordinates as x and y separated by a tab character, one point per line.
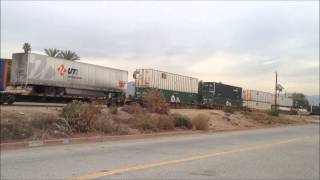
238	43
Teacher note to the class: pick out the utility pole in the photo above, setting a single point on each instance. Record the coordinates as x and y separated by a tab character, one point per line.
276	94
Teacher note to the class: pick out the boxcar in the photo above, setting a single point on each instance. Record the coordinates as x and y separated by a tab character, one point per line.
175	88
212	93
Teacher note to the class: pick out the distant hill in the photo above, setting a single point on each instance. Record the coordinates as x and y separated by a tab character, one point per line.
313	100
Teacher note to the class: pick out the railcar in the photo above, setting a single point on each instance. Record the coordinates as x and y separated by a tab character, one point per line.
175	88
40	75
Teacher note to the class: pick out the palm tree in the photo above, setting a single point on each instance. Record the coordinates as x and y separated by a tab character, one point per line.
52	52
69	55
26	47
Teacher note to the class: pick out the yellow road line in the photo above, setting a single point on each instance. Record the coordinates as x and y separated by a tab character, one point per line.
185	159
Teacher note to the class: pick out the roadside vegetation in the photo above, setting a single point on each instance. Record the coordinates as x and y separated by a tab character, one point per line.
84	119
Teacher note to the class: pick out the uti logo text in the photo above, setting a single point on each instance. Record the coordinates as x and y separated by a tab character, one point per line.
70	71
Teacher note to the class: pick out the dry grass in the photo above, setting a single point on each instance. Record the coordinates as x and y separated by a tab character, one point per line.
113	110
38	128
200	122
134	108
268	118
166	122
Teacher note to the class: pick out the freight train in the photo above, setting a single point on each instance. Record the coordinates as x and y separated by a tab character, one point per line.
33	76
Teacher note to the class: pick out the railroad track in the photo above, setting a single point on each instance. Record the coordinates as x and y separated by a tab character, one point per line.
45	105
25	104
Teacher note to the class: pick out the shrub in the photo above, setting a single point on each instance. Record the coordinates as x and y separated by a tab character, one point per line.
71	111
144	122
166	122
154	102
200	122
81	117
182	121
132	108
113	110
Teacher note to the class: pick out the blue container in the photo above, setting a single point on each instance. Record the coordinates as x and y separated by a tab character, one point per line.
3	74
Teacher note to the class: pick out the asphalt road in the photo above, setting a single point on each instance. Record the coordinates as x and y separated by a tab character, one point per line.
290	152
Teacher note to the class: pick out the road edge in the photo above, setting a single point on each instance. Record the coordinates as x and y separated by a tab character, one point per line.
92	139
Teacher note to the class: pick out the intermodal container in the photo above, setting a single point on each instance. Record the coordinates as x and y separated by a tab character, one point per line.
300	103
257	105
258	96
3	74
175	88
213	93
150	78
35	69
284	100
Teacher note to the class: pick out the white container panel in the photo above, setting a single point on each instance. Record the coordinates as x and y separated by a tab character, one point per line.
284	100
257	105
254	95
165	80
44	70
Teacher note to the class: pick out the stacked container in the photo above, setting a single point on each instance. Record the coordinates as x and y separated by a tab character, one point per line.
40	70
254	99
213	93
257	105
3	74
284	100
176	88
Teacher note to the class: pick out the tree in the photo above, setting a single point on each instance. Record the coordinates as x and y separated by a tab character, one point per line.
52	52
69	55
26	47
299	96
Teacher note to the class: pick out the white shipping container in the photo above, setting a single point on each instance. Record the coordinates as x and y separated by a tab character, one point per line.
259	96
257	105
150	78
35	69
283	100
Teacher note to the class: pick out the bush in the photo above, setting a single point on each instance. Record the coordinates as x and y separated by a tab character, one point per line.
145	122
132	108
200	122
165	122
154	102
80	116
113	110
182	121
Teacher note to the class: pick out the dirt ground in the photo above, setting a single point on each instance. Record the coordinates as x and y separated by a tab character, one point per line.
220	120
33	123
